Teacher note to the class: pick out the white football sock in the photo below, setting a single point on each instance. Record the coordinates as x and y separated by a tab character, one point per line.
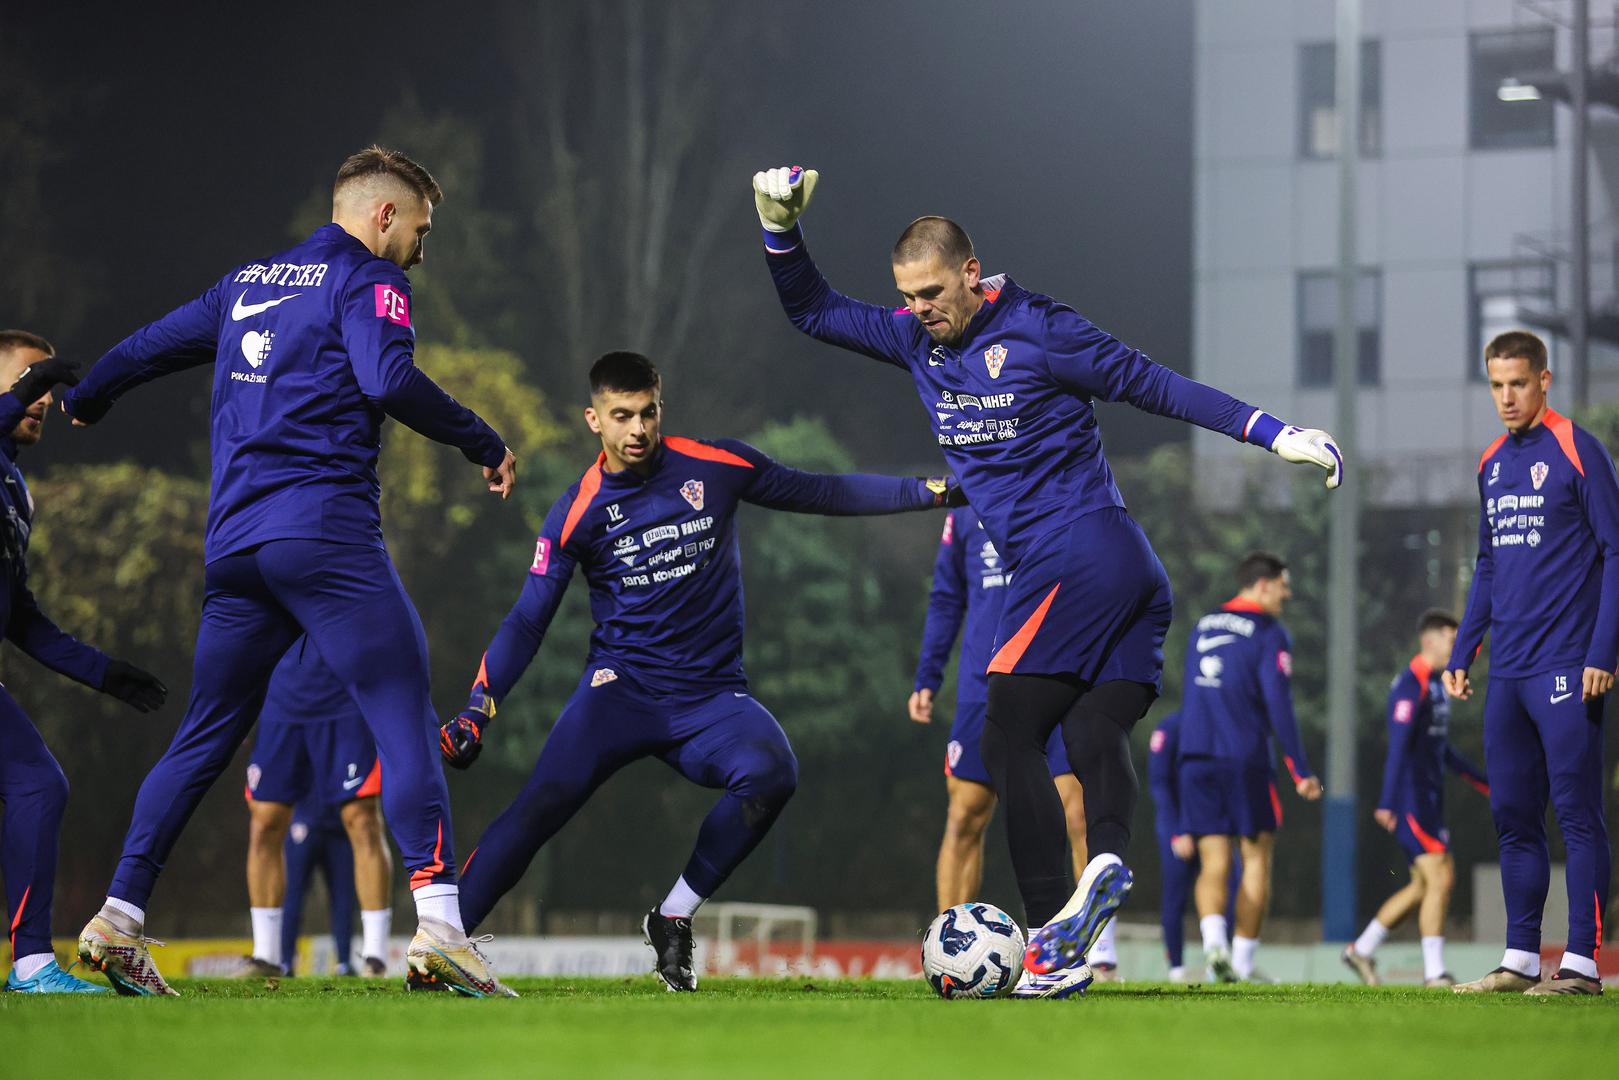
31	965
1242	954
1585	965
441	902
1214	932
374	929
125	908
1522	961
1106	950
1371	937
1433	956
682	901
266	934
1177	974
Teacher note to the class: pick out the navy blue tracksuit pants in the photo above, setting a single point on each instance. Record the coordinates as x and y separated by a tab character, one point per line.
33	797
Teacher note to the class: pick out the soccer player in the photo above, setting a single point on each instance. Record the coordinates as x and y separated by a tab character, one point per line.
1008	378
1412	804
1237	692
318	840
969	581
33	791
312	349
651	524
1546	590
312	743
1177	850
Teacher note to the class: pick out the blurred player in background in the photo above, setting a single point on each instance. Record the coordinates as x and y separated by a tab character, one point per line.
318	841
1237	692
1546	591
1412	804
313	745
1177	849
651	523
312	350
1008	378
33	790
969	582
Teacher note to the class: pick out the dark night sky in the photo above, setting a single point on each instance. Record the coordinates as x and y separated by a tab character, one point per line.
1058	132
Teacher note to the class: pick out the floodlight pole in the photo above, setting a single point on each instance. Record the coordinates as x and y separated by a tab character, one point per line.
1340	813
1579	309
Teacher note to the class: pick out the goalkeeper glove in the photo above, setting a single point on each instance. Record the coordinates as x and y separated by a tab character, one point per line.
139	689
460	740
946	491
37	379
782	194
1310	446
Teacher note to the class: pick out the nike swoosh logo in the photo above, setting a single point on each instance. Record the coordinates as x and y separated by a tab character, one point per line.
1204	644
620	525
244	311
934	363
1561	697
350	785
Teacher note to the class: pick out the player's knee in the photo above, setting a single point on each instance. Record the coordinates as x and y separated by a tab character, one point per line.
772	778
966	823
51	795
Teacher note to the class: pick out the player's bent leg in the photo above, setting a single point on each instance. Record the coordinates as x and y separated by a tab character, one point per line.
1358	955
33	791
961	853
1437	871
372	876
1096	732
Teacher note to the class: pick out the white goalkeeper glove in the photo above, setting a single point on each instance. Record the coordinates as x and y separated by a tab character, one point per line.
1311	446
782	194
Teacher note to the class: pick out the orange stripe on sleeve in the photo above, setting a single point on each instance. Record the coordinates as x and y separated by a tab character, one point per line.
1563	428
1013	650
1490	450
589	484
704	452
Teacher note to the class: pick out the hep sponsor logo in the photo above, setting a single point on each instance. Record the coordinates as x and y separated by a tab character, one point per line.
1402	711
392	305
994	357
603	676
692	492
542	556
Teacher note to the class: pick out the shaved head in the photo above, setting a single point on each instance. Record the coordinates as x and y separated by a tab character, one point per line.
378	174
932	237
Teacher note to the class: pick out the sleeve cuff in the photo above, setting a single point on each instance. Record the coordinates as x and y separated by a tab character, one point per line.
783	243
1262	429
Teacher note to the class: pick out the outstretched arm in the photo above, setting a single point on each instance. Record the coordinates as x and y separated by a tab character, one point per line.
381	346
1090	361
186	337
947	607
780	196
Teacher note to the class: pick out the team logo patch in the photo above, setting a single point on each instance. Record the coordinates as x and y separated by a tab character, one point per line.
392	305
254	775
692	492
298	833
1156	743
1402	711
949	529
256	347
1538	473
542	556
603	675
994	357
952	756
1284	662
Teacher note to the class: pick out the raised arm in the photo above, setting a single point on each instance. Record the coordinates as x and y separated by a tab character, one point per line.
780	195
947	607
186	337
1090	361
381	346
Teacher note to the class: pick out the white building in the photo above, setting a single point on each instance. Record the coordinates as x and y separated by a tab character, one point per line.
1463	221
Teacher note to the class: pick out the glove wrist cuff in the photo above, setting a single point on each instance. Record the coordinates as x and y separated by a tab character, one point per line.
782	241
1262	429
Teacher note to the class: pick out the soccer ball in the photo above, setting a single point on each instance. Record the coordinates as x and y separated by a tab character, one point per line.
973	951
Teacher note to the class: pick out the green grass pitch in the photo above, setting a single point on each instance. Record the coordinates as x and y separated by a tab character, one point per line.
801	1028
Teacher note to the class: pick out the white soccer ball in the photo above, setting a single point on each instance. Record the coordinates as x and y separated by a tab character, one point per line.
973	951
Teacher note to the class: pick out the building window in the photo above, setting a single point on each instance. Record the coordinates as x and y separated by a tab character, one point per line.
1318	100
1500	295
1497	55
1318	324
